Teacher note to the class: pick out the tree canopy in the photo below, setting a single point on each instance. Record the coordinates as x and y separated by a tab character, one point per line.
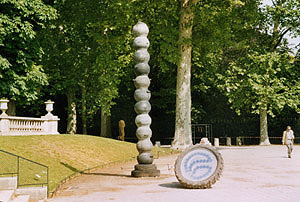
239	60
21	73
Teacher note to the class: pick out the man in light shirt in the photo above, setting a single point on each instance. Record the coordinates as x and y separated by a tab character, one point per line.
288	139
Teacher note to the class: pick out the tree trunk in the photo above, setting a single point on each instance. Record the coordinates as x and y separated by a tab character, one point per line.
263	119
105	125
83	102
11	111
72	117
183	133
264	138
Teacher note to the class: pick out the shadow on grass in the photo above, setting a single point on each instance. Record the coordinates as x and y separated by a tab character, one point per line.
75	170
108	174
70	167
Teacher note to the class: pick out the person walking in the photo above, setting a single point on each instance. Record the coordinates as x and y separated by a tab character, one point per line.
288	139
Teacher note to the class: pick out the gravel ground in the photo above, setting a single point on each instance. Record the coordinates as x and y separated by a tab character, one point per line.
251	174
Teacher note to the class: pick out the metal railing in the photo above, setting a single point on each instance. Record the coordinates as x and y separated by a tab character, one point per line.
201	130
254	140
15	169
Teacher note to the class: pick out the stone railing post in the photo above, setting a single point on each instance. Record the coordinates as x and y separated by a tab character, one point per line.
228	141
239	141
4	121
216	142
50	126
142	95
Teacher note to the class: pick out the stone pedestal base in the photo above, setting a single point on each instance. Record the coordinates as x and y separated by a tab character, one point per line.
145	170
205	141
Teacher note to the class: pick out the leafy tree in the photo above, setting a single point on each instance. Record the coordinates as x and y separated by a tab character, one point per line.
112	35
69	54
86	57
21	75
263	80
266	83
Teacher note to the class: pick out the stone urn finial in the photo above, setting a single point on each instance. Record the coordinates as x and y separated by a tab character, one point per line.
49	106
3	106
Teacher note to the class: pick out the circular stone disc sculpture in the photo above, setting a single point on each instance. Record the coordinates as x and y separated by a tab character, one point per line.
199	167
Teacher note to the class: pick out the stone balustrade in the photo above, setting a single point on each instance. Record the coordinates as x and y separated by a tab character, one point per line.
14	125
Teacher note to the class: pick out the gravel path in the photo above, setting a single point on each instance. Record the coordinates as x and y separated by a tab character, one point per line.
251	174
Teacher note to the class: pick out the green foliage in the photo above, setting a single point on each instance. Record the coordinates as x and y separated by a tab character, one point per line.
65	49
249	61
283	13
113	40
90	46
262	81
20	51
85	52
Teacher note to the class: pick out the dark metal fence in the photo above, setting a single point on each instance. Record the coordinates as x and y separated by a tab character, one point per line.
246	128
28	172
202	130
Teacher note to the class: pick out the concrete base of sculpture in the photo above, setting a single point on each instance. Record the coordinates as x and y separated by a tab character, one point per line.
145	170
205	141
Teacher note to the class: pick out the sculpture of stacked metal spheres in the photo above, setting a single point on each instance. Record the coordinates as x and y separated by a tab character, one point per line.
142	95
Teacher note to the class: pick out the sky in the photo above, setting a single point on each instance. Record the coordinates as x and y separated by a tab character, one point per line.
292	41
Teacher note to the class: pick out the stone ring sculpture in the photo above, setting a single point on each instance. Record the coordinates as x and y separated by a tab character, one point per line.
199	166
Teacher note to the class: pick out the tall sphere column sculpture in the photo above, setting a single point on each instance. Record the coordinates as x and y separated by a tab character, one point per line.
142	95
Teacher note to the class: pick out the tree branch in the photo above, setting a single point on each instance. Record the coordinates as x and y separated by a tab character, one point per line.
281	37
273	2
187	3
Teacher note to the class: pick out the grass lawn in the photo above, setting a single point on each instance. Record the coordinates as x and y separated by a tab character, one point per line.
64	155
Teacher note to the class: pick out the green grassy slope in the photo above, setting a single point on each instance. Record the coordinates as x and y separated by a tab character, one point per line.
63	154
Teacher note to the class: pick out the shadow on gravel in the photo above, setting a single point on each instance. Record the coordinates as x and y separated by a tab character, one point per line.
173	185
108	174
